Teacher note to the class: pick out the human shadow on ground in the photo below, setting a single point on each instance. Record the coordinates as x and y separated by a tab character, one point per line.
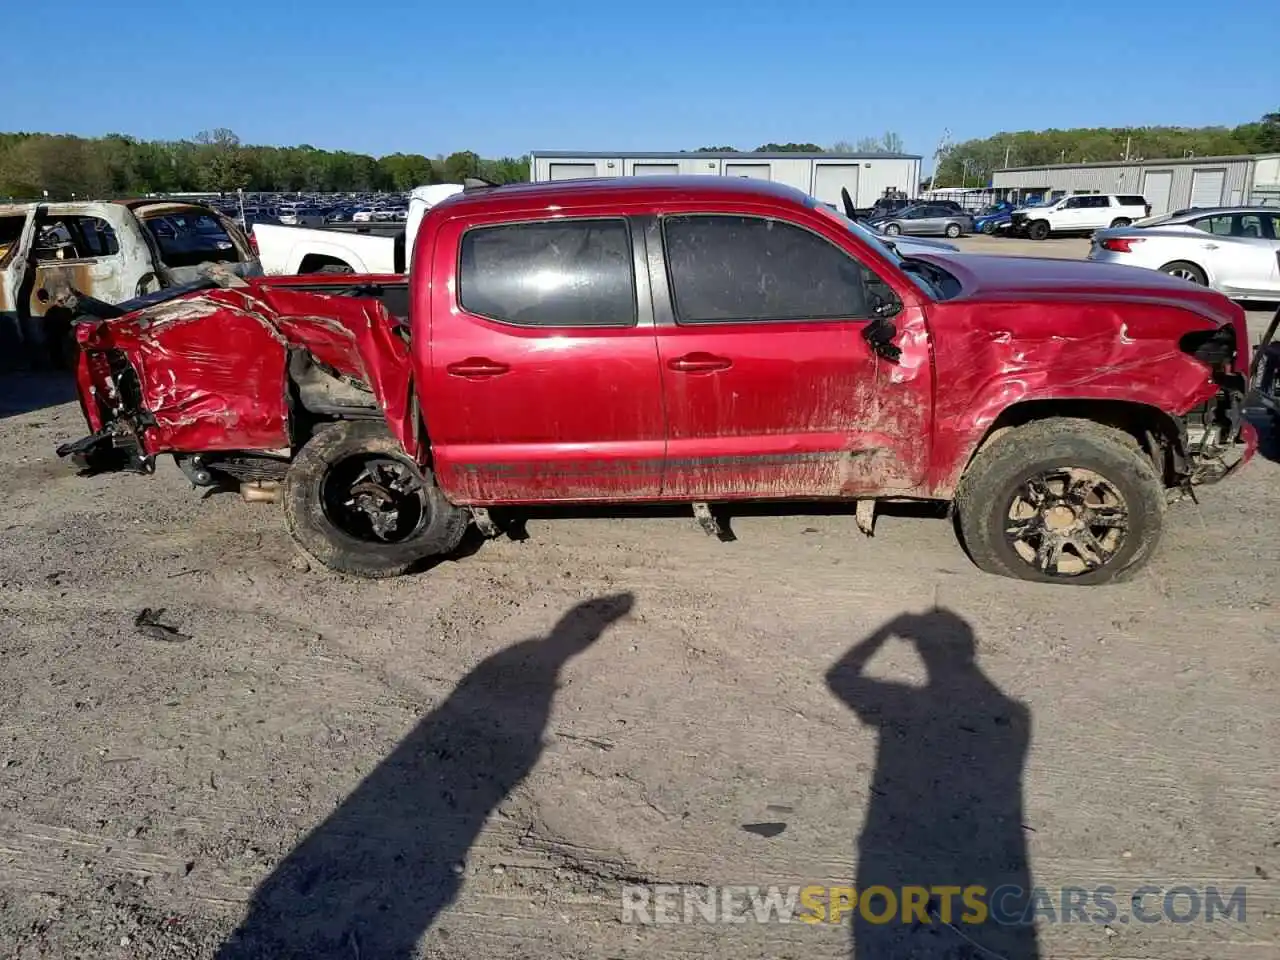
946	802
24	392
371	879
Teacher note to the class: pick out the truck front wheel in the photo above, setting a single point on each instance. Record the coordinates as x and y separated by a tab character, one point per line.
356	503
1061	501
1038	229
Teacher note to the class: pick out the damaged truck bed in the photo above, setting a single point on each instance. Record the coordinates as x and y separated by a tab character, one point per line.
682	341
243	372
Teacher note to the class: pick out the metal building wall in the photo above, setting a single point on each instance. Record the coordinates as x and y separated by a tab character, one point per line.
1020	179
1130	178
866	177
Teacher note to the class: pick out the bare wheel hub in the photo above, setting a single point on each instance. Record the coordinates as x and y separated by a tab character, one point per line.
378	499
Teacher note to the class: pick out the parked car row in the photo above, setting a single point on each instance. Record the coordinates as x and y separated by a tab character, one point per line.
312	209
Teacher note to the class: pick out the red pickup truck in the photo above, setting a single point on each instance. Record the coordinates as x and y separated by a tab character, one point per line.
695	340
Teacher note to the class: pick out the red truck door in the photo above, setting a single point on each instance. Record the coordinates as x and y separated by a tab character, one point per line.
542	363
771	389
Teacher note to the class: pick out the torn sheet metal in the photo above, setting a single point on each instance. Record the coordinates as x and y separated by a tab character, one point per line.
209	371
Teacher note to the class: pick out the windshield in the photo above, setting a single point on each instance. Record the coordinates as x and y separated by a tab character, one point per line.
190	238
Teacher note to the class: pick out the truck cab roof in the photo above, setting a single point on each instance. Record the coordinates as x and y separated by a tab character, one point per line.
622	190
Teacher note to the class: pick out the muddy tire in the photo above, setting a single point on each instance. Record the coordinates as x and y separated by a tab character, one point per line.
356	503
1061	501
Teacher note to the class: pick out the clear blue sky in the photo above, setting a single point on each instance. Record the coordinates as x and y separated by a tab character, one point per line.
502	77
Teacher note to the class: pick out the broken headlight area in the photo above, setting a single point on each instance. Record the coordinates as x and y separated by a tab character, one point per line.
1215	437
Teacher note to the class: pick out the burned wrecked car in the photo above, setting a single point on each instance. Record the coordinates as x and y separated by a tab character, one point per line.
50	253
699	340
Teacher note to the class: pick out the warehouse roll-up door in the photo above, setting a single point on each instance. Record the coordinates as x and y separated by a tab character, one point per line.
572	171
1206	187
1155	188
655	169
828	178
756	171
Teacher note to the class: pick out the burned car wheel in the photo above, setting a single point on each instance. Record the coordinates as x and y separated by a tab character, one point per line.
356	503
1061	501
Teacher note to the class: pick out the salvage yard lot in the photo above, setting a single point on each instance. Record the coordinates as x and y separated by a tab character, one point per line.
274	728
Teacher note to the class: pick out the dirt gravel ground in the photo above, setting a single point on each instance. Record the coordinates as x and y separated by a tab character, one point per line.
275	761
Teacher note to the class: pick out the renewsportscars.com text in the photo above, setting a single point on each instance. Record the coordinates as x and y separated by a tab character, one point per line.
963	905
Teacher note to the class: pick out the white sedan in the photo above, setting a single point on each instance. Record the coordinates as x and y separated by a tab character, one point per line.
1234	250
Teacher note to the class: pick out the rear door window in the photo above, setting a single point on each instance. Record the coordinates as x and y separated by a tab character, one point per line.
1219	226
1249	226
563	273
726	269
75	238
1131	201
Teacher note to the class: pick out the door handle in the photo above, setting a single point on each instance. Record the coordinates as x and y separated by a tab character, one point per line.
699	363
1210	246
477	368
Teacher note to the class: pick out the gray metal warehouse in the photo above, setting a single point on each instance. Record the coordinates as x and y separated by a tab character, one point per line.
866	176
1167	184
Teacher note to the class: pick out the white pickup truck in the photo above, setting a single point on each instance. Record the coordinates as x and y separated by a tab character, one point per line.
380	248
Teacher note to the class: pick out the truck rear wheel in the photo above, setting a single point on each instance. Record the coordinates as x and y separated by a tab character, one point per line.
1061	501
356	503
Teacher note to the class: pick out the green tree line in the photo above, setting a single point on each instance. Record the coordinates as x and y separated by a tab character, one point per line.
973	161
118	165
889	143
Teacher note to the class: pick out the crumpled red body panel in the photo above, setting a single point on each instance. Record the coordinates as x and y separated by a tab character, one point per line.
212	367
